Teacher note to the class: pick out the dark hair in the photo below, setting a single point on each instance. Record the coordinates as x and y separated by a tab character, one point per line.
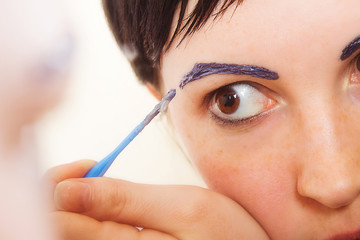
142	27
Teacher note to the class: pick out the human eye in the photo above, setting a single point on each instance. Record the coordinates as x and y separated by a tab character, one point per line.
240	103
355	74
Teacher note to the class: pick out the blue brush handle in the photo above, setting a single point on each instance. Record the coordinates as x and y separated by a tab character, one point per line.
101	167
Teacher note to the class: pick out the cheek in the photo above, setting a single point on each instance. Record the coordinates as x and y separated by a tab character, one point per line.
266	190
252	168
250	179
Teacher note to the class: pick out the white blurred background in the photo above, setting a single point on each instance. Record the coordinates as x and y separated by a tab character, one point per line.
102	104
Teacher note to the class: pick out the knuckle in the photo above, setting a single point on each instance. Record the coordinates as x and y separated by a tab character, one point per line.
114	198
119	200
196	206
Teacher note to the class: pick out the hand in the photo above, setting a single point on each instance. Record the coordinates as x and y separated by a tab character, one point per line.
105	208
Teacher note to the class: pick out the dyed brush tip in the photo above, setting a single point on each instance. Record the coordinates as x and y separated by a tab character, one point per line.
161	106
101	167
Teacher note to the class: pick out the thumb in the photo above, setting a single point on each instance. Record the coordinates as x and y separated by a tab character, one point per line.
70	170
185	212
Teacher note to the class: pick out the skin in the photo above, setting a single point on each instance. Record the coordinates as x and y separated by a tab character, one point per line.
292	171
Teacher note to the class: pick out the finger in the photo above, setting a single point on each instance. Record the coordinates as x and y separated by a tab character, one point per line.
73	226
185	212
70	170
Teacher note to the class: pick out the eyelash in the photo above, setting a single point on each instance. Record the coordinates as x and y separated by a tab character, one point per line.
241	122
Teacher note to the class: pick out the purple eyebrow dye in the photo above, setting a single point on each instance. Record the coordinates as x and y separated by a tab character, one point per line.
204	69
352	47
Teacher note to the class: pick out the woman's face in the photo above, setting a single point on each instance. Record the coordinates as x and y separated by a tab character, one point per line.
287	150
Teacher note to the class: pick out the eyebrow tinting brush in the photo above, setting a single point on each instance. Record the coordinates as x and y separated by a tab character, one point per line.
101	167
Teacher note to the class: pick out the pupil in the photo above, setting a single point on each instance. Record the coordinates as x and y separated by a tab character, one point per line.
227	101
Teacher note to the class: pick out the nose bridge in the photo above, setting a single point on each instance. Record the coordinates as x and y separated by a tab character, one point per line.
329	168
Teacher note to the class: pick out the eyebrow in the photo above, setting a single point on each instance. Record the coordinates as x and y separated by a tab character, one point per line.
204	69
352	47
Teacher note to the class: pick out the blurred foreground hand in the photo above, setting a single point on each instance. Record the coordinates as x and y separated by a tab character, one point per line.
35	53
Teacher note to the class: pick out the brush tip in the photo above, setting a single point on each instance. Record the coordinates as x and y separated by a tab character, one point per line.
170	95
166	100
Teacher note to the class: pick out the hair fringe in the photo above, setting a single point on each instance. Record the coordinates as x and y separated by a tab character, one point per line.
145	25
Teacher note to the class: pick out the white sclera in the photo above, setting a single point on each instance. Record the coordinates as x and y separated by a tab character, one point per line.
251	103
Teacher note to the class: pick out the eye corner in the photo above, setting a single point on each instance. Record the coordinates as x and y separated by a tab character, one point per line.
357	63
355	72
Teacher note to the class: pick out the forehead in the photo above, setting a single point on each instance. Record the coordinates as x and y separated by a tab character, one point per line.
283	21
257	32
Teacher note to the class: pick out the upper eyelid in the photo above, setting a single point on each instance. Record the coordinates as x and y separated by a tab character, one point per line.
348	63
356	55
351	61
253	84
210	95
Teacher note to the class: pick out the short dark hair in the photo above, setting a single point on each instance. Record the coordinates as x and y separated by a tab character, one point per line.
143	28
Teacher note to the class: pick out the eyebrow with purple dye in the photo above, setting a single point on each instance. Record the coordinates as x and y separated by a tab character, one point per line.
352	47
204	69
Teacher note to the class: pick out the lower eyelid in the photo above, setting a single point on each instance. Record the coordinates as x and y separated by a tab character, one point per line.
354	77
245	122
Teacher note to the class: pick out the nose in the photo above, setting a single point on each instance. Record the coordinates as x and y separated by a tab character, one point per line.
329	170
331	188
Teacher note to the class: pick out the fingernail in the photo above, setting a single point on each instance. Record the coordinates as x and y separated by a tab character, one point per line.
72	196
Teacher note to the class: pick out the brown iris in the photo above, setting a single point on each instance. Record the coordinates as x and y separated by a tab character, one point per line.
358	63
227	100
